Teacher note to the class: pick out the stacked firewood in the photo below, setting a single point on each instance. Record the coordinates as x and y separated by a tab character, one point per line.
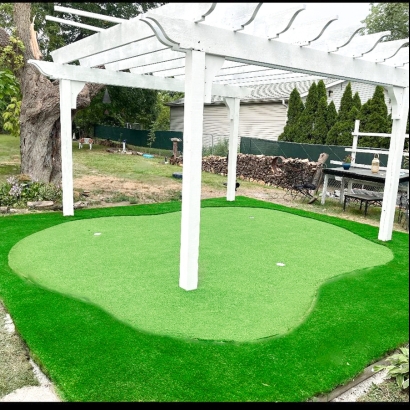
175	160
265	170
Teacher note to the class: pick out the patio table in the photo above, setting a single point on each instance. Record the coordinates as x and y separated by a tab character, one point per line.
358	175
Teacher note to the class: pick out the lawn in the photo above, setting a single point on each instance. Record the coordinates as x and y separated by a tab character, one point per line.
96	298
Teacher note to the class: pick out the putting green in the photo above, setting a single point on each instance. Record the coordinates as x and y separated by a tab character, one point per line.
259	269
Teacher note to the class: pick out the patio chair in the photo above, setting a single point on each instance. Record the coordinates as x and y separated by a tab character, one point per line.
403	214
308	186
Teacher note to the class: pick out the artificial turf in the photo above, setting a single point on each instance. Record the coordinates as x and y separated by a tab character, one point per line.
113	325
129	267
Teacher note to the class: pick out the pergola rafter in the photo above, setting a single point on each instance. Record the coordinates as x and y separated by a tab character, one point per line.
222	49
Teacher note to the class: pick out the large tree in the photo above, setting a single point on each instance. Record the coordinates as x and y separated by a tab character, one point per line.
346	103
320	125
40	108
306	121
331	115
295	109
388	16
341	132
374	117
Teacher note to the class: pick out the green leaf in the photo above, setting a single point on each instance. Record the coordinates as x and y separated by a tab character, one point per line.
400	380
378	368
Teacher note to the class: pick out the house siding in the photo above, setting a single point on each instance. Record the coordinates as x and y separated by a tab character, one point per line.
261	120
255	120
365	91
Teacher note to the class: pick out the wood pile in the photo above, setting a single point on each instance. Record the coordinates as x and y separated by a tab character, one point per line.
175	160
265	170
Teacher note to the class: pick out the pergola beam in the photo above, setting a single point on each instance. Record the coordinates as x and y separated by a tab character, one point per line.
248	49
154	57
99	76
116	36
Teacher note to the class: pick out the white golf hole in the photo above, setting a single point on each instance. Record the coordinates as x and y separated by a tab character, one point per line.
280	264
97	233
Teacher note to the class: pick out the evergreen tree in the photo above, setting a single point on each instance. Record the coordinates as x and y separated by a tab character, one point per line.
346	103
321	91
331	115
295	109
374	117
305	125
341	132
321	129
356	101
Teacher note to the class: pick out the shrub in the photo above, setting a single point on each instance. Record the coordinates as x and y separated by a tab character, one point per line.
398	368
220	149
17	191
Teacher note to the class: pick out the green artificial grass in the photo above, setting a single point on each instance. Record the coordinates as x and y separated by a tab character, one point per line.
129	267
92	355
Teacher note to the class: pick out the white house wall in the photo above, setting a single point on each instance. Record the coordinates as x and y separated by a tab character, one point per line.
256	121
262	120
365	91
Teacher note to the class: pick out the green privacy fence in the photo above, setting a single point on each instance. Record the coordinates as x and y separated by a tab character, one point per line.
138	138
310	151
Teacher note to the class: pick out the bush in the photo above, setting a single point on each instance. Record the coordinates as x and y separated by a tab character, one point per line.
17	191
220	149
398	368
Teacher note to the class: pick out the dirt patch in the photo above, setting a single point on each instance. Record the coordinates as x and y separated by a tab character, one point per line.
106	191
109	190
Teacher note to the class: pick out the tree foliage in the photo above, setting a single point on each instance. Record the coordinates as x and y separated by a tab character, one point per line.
341	132
374	117
295	109
321	91
331	115
11	60
356	101
388	16
346	103
128	105
11	117
320	125
305	125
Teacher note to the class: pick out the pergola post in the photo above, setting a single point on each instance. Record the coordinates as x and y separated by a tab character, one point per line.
400	108
233	105
192	168
68	97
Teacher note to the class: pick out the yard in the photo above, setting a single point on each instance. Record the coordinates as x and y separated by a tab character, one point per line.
293	299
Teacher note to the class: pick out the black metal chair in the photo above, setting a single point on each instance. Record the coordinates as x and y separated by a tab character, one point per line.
403	214
307	185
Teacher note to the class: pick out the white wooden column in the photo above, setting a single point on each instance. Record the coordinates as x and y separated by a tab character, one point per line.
68	97
233	105
400	108
192	168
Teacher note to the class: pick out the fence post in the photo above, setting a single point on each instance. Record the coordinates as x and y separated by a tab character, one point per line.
355	134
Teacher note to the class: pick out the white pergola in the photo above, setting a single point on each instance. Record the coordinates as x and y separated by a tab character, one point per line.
205	49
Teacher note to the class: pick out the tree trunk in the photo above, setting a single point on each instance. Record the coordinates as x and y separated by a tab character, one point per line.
40	131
